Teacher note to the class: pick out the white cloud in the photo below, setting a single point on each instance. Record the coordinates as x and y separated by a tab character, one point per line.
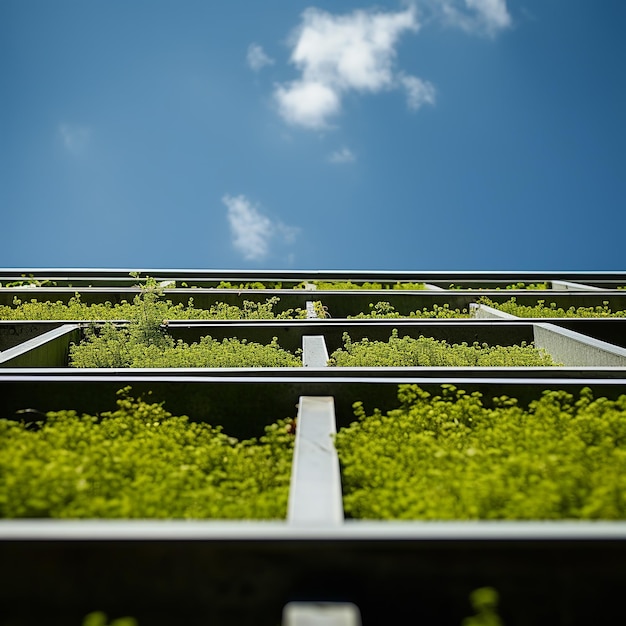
252	231
307	103
75	138
418	91
493	13
477	16
340	53
345	155
256	57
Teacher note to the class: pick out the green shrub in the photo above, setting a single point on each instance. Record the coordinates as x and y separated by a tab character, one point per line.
224	284
144	342
139	461
126	347
552	310
349	285
452	457
520	285
75	309
98	618
387	310
426	351
484	601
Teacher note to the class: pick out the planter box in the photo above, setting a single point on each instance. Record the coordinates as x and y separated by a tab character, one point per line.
51	349
245	572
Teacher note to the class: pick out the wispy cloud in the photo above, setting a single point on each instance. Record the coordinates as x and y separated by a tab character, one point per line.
257	58
252	231
487	17
336	54
344	155
418	91
75	138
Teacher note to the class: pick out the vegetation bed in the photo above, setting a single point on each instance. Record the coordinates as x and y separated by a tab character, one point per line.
541	309
386	310
332	285
140	461
75	309
426	351
138	346
452	457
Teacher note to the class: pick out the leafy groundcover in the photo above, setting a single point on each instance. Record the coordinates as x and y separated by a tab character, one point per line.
426	351
452	457
140	461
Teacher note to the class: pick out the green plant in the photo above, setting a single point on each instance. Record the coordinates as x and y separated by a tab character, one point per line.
144	347
144	342
453	456
98	618
30	281
426	351
224	284
519	285
75	309
349	285
387	310
552	310
139	461
485	602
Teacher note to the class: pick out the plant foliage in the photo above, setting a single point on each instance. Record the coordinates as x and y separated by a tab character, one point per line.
98	618
338	285
130	347
151	301
452	457
139	461
520	285
551	310
426	351
144	342
387	310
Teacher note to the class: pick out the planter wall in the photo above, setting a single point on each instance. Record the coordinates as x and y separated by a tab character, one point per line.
246	572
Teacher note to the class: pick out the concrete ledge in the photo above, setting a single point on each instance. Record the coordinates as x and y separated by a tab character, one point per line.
47	350
315	492
565	285
484	312
575	349
314	352
321	614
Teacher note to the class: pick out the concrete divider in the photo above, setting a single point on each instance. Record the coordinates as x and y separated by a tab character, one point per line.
321	614
314	352
315	497
574	349
565	285
47	350
568	347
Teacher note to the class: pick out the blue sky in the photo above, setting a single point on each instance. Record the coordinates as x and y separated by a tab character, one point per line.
425	135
